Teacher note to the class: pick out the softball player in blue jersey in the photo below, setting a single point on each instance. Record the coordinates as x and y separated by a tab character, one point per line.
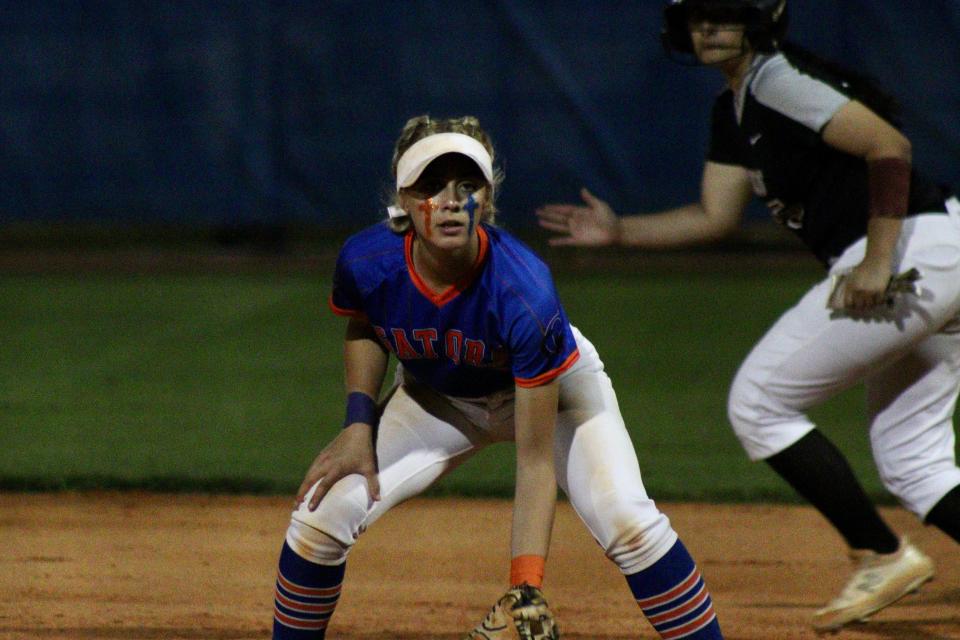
485	354
817	143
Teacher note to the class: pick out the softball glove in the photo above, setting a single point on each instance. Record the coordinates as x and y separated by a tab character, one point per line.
521	613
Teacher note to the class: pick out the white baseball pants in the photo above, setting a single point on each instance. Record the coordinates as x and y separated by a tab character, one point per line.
423	435
908	357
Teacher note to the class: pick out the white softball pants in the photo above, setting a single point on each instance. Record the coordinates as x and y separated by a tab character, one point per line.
423	435
908	357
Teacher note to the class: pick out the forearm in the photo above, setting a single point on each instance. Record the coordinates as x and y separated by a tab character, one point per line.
882	236
672	228
535	416
533	507
725	191
888	186
352	450
858	131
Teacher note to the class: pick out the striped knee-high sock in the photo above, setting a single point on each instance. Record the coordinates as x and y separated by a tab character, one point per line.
305	597
673	597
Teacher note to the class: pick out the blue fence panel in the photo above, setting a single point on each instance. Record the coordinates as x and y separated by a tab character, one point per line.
231	113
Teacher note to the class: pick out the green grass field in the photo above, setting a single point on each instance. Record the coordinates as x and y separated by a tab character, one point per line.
233	382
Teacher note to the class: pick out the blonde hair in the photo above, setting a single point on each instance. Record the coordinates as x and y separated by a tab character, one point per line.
422	126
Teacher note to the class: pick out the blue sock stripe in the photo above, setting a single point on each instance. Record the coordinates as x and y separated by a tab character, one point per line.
304	609
293	593
675	607
682	615
676	593
283	622
705	627
305	597
309	575
674	598
300	616
659	579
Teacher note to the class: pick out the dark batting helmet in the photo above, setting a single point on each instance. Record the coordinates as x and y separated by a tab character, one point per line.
764	21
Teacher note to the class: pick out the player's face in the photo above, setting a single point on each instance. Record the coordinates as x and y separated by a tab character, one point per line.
447	201
717	37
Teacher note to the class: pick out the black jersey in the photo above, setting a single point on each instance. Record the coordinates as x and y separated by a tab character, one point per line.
773	127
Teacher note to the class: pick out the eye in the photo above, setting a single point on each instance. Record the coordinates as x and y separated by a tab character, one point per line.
466	187
427	187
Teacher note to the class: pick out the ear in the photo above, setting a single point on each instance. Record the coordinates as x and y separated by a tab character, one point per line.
404	202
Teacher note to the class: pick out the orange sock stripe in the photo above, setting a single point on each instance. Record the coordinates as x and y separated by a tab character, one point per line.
301	607
682	610
298	623
686	585
529	569
307	591
691	627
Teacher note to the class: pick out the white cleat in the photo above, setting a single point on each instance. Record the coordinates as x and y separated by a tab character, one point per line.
879	581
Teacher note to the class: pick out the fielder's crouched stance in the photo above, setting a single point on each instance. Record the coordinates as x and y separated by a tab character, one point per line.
486	354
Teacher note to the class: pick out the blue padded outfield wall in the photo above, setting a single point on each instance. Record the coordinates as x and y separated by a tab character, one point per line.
210	112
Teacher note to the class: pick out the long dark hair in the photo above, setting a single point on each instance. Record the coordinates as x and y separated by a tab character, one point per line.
858	86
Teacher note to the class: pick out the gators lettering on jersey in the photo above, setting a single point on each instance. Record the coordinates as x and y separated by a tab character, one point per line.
773	127
503	324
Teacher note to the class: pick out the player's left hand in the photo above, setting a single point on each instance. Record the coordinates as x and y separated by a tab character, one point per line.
350	452
866	286
520	613
593	224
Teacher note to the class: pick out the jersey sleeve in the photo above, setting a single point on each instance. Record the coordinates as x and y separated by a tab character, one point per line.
801	97
726	145
345	299
541	342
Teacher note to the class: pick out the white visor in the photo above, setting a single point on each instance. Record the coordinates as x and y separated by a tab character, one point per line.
424	151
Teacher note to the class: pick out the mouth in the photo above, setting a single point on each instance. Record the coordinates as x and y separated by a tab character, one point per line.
451	227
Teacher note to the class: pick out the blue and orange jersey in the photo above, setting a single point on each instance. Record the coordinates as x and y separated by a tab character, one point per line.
501	325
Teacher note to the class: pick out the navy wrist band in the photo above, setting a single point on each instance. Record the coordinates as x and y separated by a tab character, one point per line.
361	408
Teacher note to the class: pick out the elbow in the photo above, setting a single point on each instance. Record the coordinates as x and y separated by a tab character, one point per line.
718	228
902	149
896	146
724	229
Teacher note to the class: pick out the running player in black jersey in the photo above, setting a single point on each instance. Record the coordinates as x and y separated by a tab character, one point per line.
819	145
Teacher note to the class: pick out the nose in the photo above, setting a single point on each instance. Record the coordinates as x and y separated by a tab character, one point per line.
448	198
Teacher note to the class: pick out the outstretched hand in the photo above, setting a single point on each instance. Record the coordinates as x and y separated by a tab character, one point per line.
593	225
350	452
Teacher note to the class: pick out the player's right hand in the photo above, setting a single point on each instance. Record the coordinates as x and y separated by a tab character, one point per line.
350	452
866	286
593	225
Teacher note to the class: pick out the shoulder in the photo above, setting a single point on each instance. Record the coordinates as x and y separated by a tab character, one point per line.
800	95
519	280
375	242
513	260
370	257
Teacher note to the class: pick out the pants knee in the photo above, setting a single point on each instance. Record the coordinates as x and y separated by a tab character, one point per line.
637	545
338	520
919	490
745	413
314	545
764	425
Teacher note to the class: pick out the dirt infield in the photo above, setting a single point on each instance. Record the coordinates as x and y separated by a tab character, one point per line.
143	566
